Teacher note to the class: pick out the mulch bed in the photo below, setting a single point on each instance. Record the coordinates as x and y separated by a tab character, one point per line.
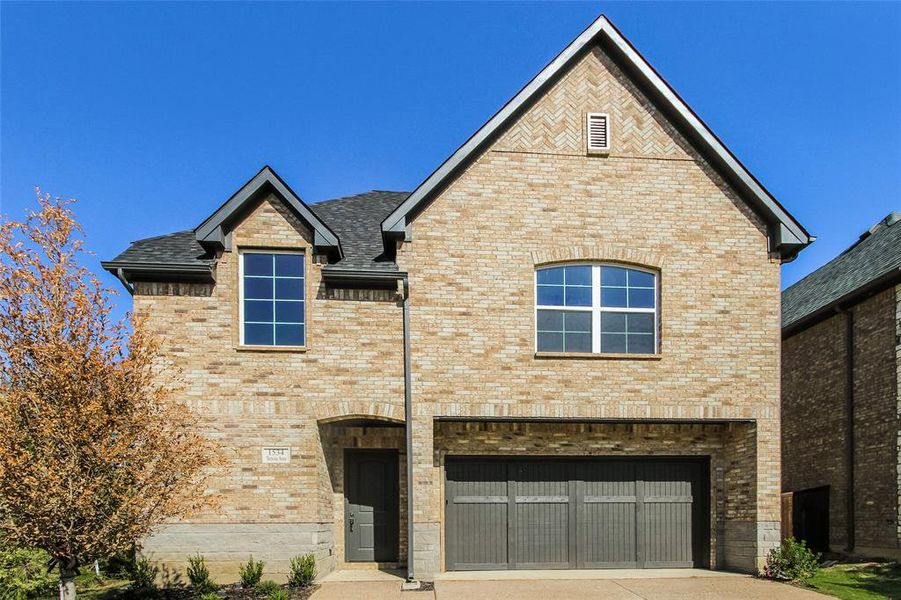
228	592
236	592
424	586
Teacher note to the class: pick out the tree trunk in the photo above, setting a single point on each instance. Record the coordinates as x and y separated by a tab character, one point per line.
67	589
67	571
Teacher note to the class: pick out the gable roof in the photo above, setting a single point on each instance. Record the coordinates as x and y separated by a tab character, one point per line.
213	229
870	264
787	236
356	219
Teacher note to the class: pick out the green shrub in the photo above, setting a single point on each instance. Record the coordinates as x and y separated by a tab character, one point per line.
199	575
23	573
251	572
119	566
267	587
143	574
303	570
792	561
278	594
209	596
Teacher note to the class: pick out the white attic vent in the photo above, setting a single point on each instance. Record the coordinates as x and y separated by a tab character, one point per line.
598	128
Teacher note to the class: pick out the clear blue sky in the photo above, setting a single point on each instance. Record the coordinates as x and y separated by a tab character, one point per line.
152	114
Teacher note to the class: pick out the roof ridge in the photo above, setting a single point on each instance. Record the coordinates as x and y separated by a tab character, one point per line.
356	196
162	235
879	227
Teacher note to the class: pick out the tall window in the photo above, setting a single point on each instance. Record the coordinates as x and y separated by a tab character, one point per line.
272	299
596	309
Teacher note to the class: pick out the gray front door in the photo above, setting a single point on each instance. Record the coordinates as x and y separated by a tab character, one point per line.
370	505
576	513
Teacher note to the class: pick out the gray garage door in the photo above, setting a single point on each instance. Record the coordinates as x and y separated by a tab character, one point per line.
575	514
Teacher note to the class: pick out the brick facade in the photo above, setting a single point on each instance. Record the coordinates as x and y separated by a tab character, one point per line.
815	421
533	197
652	201
249	399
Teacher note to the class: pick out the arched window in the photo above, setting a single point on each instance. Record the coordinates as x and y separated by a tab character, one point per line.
596	308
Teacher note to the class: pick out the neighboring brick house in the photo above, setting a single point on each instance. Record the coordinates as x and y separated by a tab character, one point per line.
841	410
566	338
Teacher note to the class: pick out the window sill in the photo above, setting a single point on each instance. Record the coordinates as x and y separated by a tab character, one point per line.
592	356
271	348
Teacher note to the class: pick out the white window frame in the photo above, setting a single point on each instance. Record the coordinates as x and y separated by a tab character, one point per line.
596	309
244	251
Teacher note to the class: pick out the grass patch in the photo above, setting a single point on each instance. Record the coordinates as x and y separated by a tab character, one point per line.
91	587
859	581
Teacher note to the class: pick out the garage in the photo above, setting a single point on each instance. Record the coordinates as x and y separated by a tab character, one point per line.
548	513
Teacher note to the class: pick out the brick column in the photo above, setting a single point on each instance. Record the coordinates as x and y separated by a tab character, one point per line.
769	478
426	499
737	540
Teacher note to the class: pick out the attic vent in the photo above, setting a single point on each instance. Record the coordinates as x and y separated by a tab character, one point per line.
598	132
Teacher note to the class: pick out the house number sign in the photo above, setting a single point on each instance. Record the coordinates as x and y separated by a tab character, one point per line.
277	454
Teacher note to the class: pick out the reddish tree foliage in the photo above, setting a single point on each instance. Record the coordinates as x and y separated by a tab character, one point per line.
94	448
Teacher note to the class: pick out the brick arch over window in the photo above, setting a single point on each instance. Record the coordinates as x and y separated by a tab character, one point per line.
600	253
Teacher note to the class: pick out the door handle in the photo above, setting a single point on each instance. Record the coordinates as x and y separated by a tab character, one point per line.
351	521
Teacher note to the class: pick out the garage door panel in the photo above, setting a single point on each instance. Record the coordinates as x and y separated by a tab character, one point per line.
542	536
667	519
488	550
667	534
607	535
606	514
541	515
477	520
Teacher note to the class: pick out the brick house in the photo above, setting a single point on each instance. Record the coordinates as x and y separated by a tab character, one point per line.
841	410
559	351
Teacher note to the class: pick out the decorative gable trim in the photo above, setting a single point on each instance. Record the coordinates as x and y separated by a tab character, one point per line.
787	236
213	231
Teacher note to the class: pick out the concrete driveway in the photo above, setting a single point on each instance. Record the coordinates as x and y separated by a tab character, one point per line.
700	588
620	585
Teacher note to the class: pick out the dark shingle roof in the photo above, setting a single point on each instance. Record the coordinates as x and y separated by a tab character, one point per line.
875	255
356	220
180	247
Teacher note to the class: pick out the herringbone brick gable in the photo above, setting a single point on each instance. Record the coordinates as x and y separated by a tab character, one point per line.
555	124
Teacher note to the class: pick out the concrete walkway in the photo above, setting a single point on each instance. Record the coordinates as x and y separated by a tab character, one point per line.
619	584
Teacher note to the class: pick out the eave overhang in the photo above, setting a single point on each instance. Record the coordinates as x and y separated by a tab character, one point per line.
338	277
130	272
786	235
214	231
590	420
